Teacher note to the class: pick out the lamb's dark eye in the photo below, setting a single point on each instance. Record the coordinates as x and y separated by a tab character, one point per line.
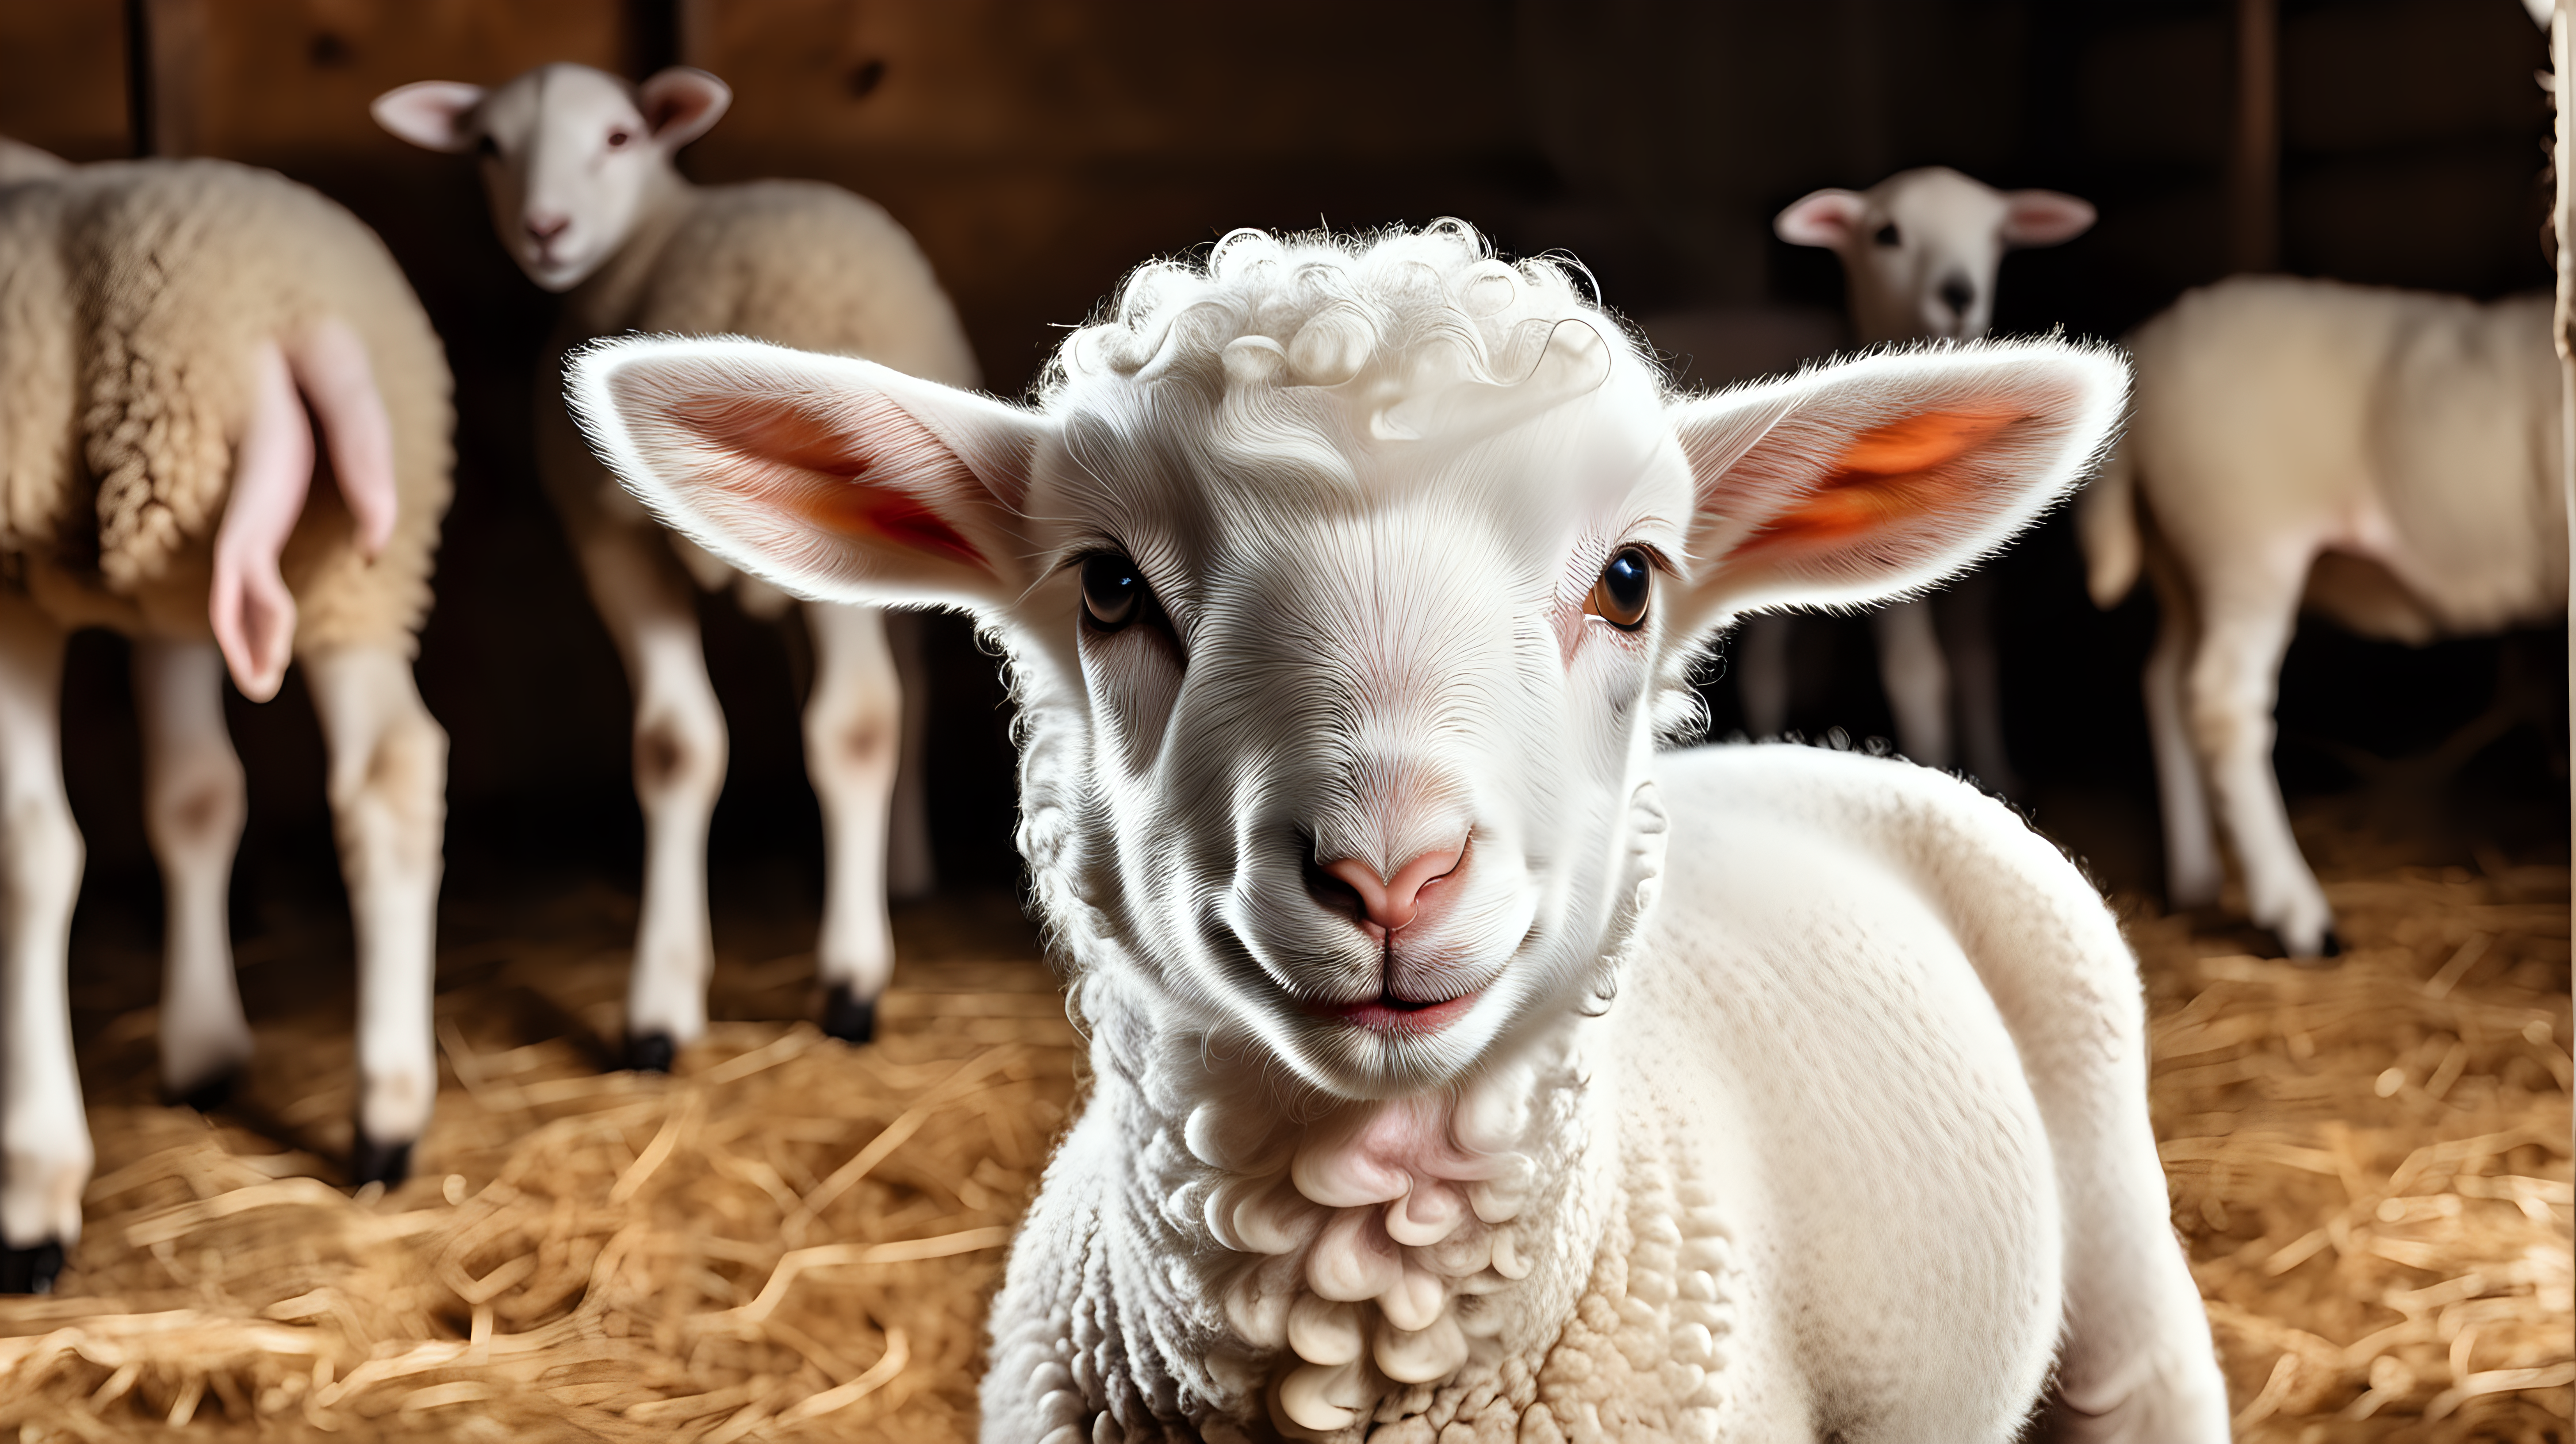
617	139
1620	597
1113	592
1888	235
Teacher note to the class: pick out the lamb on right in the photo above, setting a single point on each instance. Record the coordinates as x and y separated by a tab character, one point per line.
1464	1065
2387	459
578	167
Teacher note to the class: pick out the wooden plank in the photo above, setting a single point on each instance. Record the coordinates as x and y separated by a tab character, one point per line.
62	77
1060	81
274	80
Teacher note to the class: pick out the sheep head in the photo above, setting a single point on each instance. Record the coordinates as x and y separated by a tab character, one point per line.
1347	588
570	155
1920	248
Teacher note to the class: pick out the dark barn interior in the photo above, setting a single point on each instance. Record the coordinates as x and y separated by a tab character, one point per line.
1038	148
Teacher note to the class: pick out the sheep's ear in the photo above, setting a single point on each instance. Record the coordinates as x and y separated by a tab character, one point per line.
1872	478
431	114
681	104
2044	218
832	477
1825	218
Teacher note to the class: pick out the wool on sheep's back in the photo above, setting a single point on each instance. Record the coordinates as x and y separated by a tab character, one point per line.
132	296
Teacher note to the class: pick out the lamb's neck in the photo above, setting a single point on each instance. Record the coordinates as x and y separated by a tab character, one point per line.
607	301
1316	1254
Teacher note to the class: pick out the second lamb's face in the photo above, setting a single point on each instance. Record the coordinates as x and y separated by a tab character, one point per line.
1365	718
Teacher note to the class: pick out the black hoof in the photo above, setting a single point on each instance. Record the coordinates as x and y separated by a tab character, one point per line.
209	1095
649	1052
31	1270
847	1016
2329	948
373	1162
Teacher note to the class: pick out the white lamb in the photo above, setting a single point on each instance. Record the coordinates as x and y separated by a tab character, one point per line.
2387	459
1347	588
1919	250
164	328
578	168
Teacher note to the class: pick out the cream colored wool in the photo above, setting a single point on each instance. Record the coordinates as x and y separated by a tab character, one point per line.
131	297
796	262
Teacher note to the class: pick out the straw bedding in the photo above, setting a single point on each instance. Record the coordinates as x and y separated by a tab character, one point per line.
790	1238
2370	1161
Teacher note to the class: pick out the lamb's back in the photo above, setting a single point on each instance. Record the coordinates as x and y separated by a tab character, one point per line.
2412	427
807	265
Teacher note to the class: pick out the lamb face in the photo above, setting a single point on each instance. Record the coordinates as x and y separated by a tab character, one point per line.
1362	713
1920	248
1345	593
572	157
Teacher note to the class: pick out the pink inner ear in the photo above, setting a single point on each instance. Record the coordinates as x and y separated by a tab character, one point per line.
828	486
1890	476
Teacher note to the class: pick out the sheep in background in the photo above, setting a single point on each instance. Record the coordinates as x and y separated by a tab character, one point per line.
1919	251
1347	587
2387	459
164	328
578	168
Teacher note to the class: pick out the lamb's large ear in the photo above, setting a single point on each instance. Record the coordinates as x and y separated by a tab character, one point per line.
1822	218
431	114
681	104
2044	218
832	477
1871	478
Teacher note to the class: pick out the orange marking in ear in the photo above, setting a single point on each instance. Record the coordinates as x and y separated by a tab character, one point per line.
1889	475
855	508
834	493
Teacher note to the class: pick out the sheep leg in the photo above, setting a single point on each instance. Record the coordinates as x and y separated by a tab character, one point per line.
1917	680
651	612
912	868
45	1152
193	807
2230	690
2191	846
1762	674
1967	614
853	732
388	791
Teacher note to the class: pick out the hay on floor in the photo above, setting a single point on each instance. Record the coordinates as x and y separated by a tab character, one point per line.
788	1238
2370	1161
795	1239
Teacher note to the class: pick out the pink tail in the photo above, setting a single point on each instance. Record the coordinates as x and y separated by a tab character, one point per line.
252	612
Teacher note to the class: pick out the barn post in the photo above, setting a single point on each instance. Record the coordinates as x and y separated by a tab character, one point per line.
2254	159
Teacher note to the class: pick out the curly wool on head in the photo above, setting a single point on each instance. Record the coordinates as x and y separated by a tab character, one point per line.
1378	309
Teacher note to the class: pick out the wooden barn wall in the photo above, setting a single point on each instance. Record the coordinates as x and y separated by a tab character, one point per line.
1039	147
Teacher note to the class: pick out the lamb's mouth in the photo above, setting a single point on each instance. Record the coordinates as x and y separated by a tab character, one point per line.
1402	1017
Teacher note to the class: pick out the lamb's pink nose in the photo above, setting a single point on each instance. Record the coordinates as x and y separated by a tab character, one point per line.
545	226
1389	902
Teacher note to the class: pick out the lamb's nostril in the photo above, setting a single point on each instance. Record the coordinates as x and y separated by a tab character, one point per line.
1958	295
546	227
1391	902
1336	895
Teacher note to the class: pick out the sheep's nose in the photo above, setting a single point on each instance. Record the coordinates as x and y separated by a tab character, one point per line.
545	227
1388	903
1958	295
